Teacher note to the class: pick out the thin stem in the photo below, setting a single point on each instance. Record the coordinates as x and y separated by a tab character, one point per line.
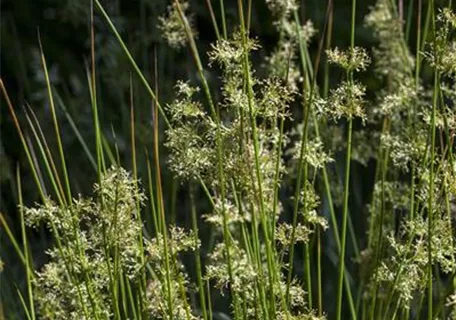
344	221
132	61
347	182
27	253
56	124
219	143
432	174
259	177
213	18
222	13
199	275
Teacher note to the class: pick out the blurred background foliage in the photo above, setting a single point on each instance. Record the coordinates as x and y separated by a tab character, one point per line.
64	29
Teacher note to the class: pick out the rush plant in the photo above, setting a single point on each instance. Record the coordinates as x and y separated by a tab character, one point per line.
266	153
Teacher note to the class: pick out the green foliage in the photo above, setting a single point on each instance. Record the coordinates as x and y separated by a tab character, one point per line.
282	226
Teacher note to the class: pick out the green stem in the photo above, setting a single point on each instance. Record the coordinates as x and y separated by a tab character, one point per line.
347	182
222	13
199	276
344	221
432	174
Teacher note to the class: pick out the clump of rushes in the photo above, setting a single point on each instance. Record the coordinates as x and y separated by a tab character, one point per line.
98	240
406	250
99	244
272	190
255	274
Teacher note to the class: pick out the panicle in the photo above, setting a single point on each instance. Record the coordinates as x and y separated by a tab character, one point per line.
172	27
356	59
347	101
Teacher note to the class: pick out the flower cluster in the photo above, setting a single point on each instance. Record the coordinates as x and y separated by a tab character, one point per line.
441	54
346	101
93	234
407	266
282	7
172	28
392	56
283	61
355	59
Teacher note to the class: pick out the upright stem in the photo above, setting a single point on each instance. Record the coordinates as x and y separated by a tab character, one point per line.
259	177
319	286
219	142
344	221
346	184
431	174
199	275
222	13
